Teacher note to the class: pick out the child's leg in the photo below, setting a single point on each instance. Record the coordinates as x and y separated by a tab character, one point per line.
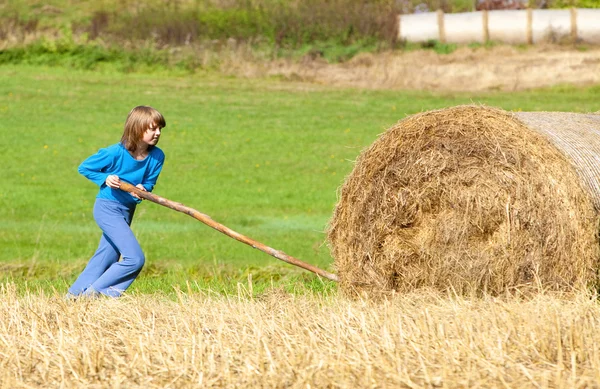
105	256
118	277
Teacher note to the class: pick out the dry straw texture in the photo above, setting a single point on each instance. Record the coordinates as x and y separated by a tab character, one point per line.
281	341
466	69
472	199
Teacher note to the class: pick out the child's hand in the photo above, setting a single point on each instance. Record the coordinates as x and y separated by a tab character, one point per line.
113	181
140	187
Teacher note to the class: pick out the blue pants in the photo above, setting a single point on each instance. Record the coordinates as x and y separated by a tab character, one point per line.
104	272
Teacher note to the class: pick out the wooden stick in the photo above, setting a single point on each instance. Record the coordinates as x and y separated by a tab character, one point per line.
225	230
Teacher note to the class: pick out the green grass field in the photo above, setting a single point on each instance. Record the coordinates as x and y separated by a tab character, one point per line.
263	157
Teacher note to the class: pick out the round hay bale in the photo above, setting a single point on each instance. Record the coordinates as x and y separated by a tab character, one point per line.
474	200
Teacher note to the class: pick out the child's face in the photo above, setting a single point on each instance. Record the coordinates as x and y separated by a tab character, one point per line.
151	135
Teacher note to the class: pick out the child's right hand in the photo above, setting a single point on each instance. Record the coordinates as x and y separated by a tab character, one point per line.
113	181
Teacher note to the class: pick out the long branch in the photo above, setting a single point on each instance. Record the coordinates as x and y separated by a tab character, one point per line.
227	231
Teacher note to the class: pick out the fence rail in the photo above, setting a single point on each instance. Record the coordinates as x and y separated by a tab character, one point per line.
510	26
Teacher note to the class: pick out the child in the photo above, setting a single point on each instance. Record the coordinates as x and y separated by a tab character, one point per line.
136	160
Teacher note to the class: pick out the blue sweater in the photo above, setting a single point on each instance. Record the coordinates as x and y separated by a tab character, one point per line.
116	160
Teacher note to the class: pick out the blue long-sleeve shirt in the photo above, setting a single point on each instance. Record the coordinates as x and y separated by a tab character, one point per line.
116	160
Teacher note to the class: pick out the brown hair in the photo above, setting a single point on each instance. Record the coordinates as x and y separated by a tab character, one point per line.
138	121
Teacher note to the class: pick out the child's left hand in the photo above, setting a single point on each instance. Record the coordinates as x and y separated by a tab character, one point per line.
140	187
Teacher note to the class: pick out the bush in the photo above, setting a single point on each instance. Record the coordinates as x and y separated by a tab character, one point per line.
281	23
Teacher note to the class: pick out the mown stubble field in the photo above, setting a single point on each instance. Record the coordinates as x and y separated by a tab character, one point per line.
277	340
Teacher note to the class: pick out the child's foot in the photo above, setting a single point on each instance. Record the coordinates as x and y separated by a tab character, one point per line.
70	296
91	293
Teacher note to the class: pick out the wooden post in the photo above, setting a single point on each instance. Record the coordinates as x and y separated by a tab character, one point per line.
399	28
486	23
441	27
529	26
225	230
574	25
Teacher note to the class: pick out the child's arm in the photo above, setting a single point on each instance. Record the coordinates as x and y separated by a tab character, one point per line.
94	167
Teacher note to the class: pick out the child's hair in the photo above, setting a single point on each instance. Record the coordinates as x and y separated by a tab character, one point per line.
138	121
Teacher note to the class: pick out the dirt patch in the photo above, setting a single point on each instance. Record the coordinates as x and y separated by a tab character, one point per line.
467	69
